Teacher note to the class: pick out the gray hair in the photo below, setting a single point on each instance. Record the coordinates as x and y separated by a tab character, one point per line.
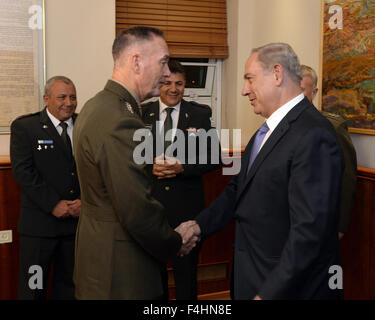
309	72
51	81
283	54
128	36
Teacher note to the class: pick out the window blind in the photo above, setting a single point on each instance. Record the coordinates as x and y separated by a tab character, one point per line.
192	28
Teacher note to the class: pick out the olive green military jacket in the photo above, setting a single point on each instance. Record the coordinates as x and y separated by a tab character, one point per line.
122	232
349	178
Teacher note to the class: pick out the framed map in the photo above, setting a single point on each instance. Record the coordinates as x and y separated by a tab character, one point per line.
348	64
21	59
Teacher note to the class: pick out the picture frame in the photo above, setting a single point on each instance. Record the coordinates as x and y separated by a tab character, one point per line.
348	62
22	59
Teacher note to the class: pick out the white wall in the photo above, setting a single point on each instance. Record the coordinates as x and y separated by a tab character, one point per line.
252	23
79	37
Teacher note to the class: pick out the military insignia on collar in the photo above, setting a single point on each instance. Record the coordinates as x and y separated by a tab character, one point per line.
130	108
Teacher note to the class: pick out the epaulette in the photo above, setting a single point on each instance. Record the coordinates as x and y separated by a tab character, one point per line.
28	115
199	104
333	115
147	104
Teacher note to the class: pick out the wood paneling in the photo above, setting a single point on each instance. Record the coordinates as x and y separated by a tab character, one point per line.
9	214
357	246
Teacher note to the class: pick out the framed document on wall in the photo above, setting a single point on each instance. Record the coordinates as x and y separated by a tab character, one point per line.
22	59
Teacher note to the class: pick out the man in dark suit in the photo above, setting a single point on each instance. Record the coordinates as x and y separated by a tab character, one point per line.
349	179
123	234
285	198
177	184
44	167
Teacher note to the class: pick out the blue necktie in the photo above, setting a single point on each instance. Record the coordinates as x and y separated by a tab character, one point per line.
257	143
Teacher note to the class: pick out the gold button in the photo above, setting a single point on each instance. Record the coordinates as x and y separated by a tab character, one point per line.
167	188
71	191
73	174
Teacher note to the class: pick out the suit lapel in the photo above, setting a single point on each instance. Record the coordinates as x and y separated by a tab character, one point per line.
184	117
281	129
150	118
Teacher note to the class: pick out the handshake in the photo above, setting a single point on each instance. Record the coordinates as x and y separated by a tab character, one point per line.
190	233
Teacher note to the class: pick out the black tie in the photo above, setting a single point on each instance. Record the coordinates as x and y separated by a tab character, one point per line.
168	125
65	136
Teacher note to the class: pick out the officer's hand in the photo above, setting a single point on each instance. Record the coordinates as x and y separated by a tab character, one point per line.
61	209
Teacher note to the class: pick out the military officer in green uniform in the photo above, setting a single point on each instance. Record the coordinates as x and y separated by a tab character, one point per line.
349	179
123	234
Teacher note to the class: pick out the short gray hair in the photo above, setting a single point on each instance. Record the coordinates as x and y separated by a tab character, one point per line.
128	36
51	81
309	72
283	54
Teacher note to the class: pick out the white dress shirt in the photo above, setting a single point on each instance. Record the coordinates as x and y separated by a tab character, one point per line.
279	115
56	123
163	114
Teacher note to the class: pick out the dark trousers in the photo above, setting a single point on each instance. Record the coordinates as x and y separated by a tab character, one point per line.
185	276
42	253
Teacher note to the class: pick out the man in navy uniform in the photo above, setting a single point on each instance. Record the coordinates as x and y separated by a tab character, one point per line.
178	183
43	166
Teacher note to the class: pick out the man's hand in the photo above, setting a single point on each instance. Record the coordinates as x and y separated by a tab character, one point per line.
190	233
74	207
167	167
61	209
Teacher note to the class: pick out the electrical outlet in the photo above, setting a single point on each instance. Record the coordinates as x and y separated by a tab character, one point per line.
6	236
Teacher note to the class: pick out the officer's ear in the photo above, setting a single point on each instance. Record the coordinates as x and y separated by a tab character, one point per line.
314	92
136	63
45	99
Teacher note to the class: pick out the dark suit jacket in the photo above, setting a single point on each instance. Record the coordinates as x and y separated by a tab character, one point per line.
46	173
183	196
349	178
286	209
123	233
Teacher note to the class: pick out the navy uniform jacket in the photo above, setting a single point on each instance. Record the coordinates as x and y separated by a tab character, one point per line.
286	211
183	195
46	173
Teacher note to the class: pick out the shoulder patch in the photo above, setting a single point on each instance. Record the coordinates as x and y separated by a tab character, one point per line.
199	104
28	115
145	105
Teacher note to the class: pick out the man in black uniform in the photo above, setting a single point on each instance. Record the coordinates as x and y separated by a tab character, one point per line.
178	183
43	166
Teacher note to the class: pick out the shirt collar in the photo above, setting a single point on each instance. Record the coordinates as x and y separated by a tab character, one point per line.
281	112
56	121
132	93
163	106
